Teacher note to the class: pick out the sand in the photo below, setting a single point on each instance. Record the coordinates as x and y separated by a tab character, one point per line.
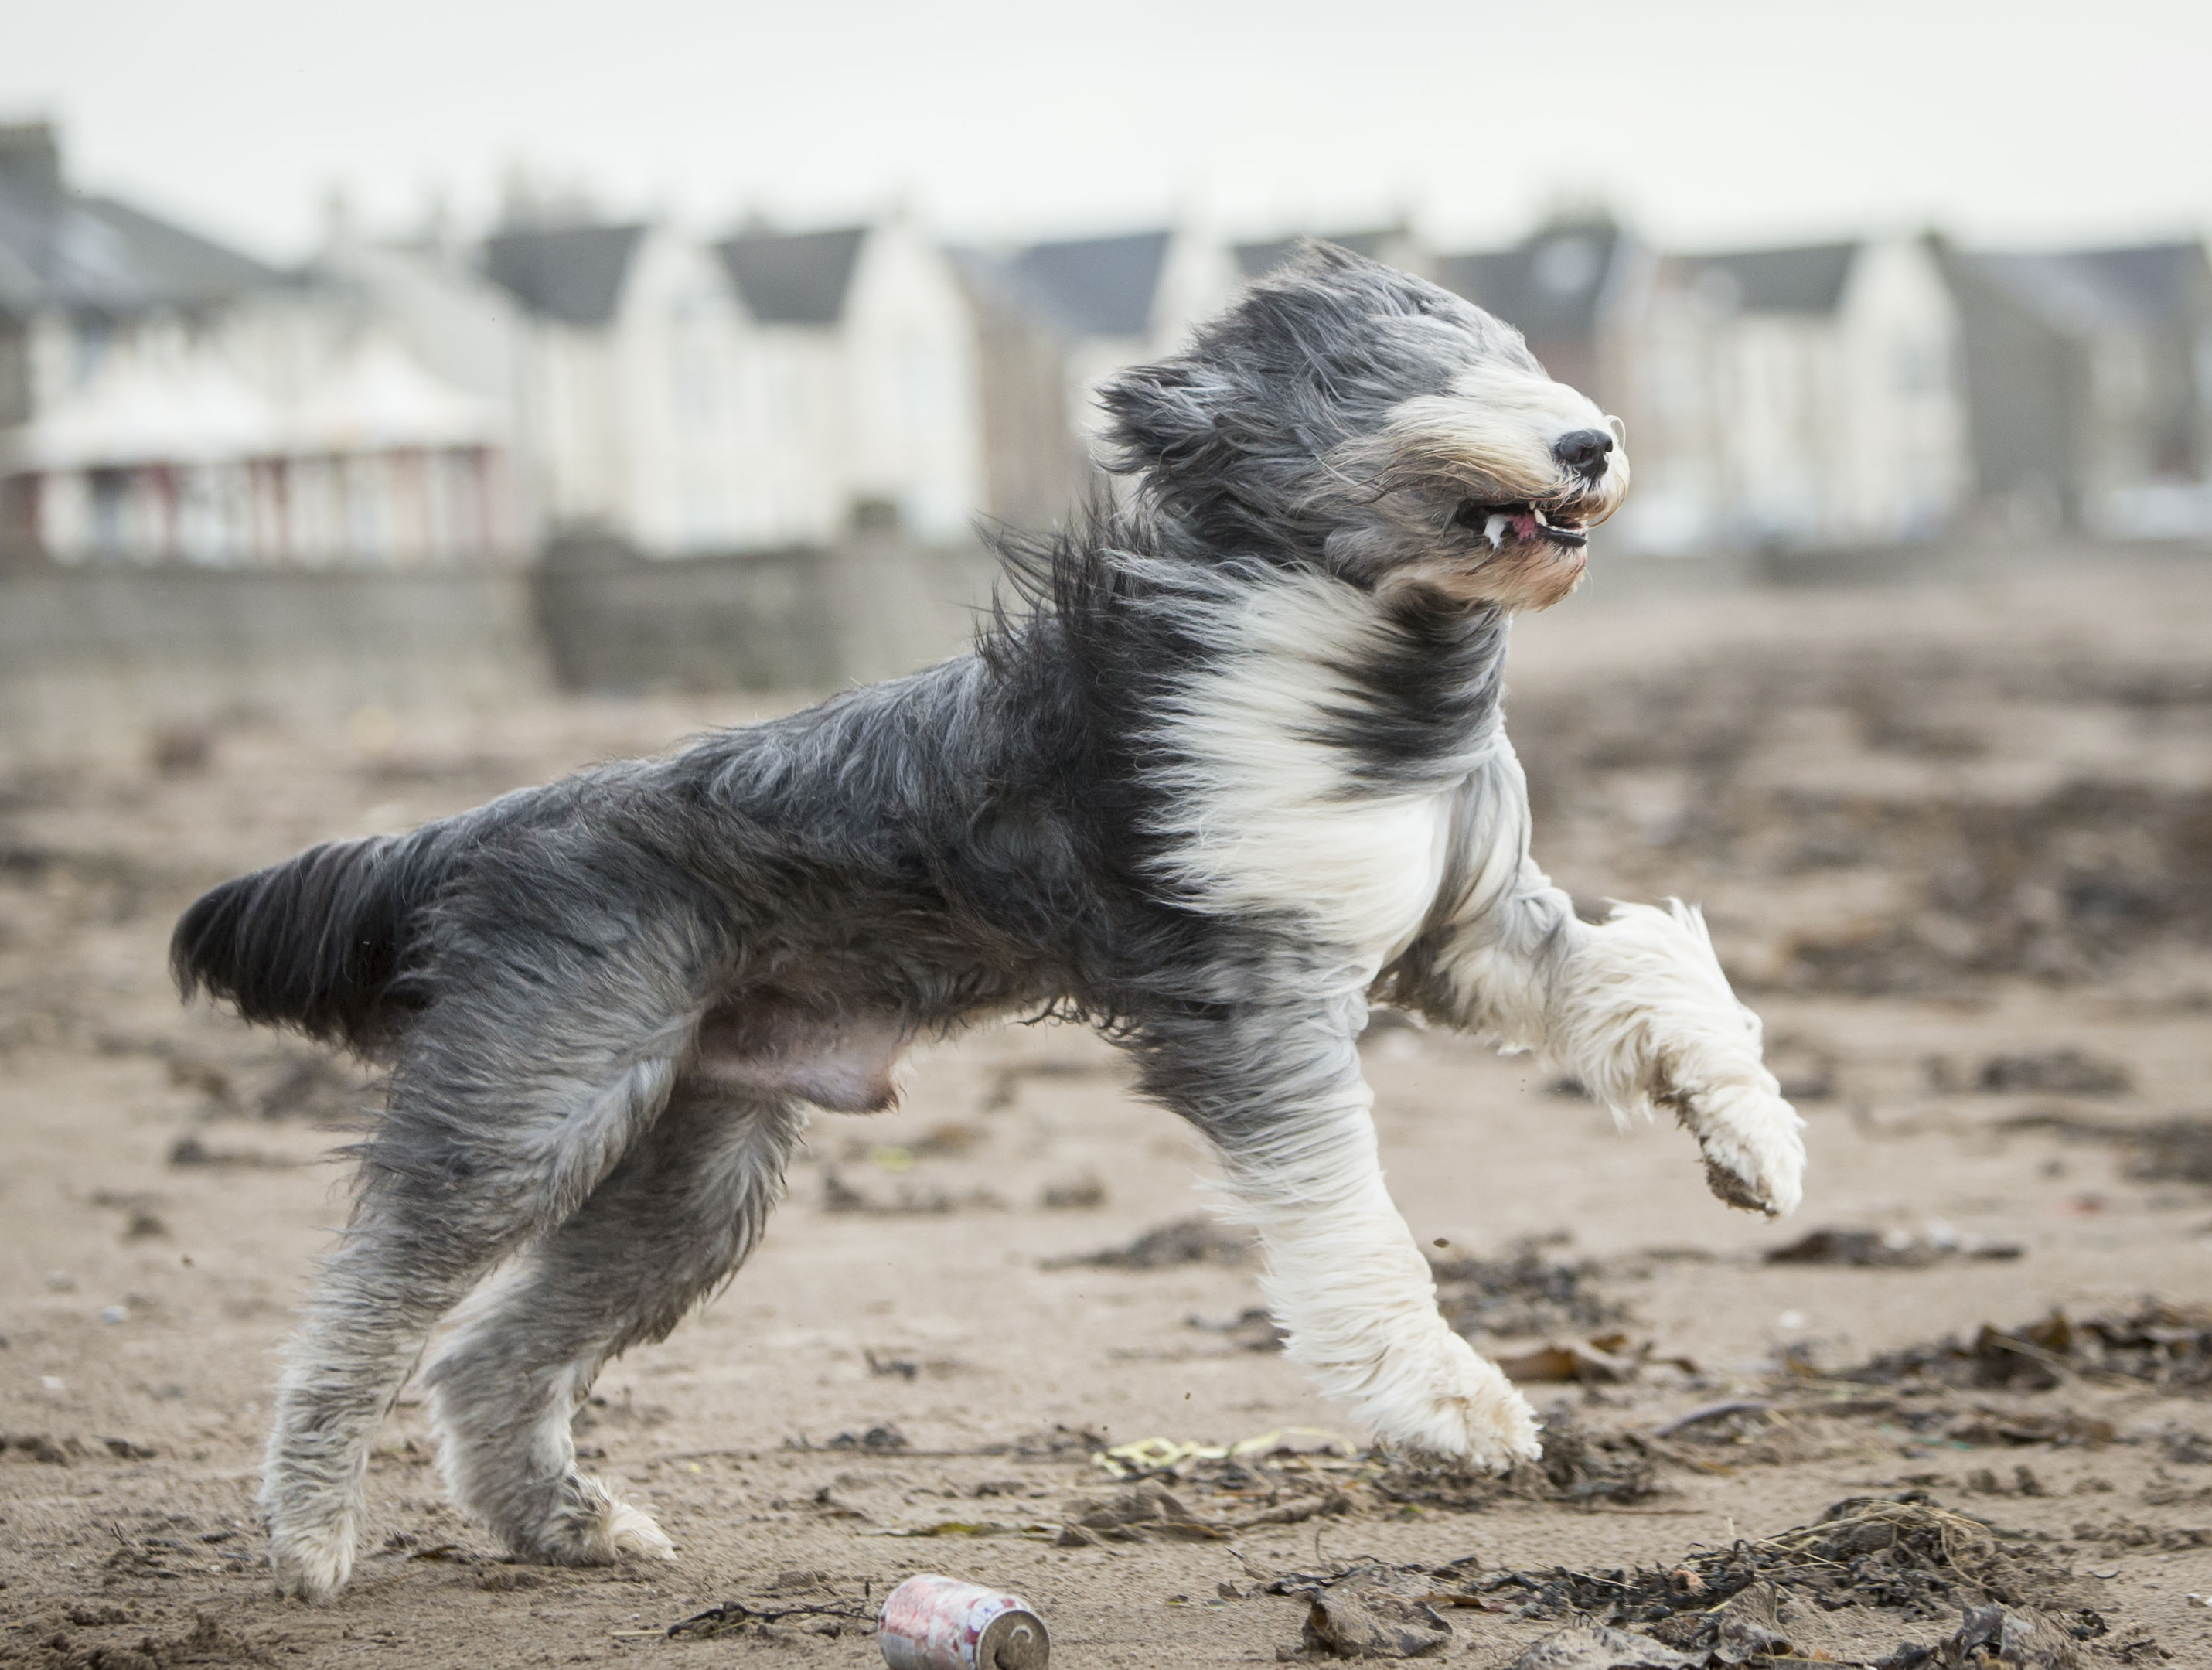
1822	770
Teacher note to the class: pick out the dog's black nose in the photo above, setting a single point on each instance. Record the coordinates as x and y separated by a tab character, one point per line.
1583	451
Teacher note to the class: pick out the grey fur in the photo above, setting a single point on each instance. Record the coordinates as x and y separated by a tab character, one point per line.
604	1001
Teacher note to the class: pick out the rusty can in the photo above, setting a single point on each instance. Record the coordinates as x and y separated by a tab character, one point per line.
932	1623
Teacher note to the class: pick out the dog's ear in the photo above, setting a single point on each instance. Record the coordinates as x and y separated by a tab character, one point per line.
1163	415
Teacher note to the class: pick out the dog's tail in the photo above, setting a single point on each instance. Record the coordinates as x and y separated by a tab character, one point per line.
319	942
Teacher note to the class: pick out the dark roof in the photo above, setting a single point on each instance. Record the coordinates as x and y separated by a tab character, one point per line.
571	273
1547	288
88	254
2149	284
794	278
1094	287
1781	281
1257	260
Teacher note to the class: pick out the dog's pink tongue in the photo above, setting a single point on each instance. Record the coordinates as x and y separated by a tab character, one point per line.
1525	524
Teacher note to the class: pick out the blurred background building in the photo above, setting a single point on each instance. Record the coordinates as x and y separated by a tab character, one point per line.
631	385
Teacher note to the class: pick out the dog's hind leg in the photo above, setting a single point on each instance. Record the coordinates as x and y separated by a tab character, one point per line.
475	1153
675	1218
1280	1092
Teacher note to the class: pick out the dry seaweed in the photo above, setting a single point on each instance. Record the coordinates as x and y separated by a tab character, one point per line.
1187	1241
1363	1616
2169	1150
1888	1249
1524	1294
1579	1466
2167	1345
1904	1553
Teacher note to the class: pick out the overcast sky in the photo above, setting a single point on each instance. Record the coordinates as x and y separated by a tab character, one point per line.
1710	122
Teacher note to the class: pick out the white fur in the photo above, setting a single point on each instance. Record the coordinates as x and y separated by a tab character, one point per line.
1264	817
1355	1297
1503	421
1637	1007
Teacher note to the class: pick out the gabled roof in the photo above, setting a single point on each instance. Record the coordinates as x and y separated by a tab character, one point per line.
2148	285
794	278
1257	260
1548	289
1810	280
91	254
572	273
1093	287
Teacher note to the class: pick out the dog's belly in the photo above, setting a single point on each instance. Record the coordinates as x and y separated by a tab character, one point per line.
844	1064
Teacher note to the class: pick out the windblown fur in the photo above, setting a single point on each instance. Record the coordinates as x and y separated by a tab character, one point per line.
1228	766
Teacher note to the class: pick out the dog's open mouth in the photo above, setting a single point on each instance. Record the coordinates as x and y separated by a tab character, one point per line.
1521	521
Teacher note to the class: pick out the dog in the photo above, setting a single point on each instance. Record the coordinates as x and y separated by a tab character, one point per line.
1226	769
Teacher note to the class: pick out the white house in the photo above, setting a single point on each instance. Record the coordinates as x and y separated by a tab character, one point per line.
868	330
164	398
683	398
633	416
1057	320
2089	382
168	453
1796	399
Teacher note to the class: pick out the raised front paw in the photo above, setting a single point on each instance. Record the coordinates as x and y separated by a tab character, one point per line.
1754	1148
1443	1399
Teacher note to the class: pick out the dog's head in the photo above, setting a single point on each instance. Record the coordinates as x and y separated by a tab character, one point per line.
1352	416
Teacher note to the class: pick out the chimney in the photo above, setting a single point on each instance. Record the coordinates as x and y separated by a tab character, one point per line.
31	155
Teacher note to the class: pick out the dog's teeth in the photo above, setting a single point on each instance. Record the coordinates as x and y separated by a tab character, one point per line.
1494	531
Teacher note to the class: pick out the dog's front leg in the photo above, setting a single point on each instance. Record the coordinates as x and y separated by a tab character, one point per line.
1282	1098
1637	1009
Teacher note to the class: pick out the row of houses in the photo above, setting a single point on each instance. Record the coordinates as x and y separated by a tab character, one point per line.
575	379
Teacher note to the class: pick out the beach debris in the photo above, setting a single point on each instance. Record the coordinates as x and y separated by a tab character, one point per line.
1578	1465
933	1623
1364	1609
190	1150
1036	1531
2169	1150
2168	1345
840	1196
2063	1071
2060	1428
1151	1508
1253	1329
821	1618
1360	1616
2190	1449
1168	1457
1904	1553
1806	1070
1888	1249
1606	1360
884	1363
1084	1193
876	1440
1725	1409
1186	1241
1595	1646
1524	1294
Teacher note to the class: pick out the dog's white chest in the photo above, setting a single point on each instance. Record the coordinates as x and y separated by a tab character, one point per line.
1268	814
